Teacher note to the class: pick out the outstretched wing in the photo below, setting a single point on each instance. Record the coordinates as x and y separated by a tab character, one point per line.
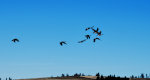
94	40
98	38
97	29
62	42
17	40
82	41
87	29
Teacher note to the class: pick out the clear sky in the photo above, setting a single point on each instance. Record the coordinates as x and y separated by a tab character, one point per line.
40	25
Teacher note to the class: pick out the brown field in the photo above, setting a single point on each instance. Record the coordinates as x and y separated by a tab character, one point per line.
75	78
64	78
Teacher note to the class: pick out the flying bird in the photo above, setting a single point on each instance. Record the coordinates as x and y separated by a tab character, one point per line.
62	42
95	31
15	40
100	33
87	36
89	28
96	39
82	41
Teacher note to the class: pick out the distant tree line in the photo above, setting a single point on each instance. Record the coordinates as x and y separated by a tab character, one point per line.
109	77
141	76
74	75
100	76
113	77
6	78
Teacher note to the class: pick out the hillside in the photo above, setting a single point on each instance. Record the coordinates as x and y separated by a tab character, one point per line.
64	78
75	78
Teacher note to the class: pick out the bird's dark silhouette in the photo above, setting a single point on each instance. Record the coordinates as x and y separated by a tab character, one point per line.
94	40
89	28
95	31
82	41
62	42
15	40
87	36
100	33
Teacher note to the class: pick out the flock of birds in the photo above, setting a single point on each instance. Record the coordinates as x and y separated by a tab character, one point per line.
95	31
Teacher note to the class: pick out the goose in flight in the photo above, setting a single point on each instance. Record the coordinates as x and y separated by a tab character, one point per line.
62	42
82	41
96	39
87	36
95	31
15	40
100	33
89	28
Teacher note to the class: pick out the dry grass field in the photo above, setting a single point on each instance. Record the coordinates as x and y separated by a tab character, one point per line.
75	78
64	78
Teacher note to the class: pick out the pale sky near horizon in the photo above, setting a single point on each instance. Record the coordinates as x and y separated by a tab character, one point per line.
41	24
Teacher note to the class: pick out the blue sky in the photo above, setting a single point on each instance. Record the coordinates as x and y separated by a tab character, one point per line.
41	25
